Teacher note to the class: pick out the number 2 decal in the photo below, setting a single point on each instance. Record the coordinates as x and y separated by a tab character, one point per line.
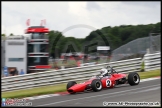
108	83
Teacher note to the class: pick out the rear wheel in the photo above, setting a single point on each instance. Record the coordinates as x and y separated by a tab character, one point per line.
96	85
133	78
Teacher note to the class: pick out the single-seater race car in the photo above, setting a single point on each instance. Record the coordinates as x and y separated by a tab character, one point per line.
108	78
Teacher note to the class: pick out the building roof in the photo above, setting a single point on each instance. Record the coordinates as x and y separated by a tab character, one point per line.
37	27
15	37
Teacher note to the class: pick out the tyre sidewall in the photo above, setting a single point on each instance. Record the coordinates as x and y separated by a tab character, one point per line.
131	77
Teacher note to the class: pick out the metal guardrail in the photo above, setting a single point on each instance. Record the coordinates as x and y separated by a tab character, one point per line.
65	75
152	61
87	64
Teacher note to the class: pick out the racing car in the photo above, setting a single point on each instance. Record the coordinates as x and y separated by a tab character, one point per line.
108	78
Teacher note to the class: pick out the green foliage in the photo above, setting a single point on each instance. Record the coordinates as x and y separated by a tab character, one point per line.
11	34
3	35
143	67
116	36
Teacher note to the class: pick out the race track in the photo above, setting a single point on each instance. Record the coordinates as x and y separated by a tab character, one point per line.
148	91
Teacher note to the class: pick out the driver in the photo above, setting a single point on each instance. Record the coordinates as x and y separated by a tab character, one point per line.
104	72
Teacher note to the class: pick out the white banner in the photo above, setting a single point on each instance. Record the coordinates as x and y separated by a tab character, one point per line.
103	47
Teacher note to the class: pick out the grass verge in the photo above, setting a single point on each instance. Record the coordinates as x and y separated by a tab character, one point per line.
60	87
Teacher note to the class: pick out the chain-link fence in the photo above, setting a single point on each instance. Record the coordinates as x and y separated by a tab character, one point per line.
137	48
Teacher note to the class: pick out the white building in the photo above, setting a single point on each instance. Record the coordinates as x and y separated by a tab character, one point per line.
16	53
28	52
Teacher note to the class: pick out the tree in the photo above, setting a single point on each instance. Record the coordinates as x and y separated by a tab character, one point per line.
3	35
11	34
116	36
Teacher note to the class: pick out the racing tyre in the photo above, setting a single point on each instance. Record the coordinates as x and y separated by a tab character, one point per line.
133	78
96	85
70	84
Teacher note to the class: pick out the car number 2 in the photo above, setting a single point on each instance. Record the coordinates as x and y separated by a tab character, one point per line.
108	83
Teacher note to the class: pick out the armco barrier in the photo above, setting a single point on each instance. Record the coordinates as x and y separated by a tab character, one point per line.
152	61
65	75
87	64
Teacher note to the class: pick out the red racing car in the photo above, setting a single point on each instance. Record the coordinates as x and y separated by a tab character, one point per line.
108	78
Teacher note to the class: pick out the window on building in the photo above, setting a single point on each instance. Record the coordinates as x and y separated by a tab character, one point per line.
15	59
38	48
32	61
35	36
37	60
39	36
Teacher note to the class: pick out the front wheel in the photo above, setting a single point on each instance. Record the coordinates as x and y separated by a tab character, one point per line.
70	84
96	85
133	78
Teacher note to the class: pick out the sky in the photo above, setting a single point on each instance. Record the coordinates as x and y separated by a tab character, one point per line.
77	19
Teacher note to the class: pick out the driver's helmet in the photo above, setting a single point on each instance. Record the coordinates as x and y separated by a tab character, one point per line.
104	72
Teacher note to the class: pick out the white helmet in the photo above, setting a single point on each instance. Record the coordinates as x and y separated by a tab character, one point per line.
103	72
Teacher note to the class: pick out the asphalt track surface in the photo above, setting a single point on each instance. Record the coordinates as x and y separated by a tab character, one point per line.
149	91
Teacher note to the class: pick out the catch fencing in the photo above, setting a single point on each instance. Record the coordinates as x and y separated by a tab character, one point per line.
137	48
